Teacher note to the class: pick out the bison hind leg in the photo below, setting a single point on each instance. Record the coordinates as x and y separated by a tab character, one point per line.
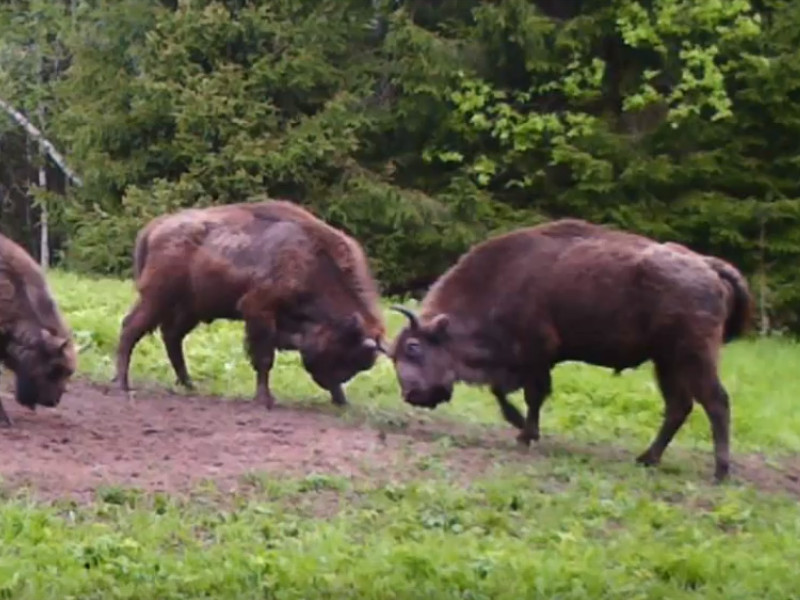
713	397
677	407
695	378
142	319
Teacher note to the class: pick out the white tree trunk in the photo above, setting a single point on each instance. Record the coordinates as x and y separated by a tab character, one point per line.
34	132
44	233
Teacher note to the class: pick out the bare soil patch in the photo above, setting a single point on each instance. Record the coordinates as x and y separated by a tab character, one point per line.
160	441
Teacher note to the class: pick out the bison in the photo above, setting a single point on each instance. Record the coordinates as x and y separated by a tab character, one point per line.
296	282
517	304
35	343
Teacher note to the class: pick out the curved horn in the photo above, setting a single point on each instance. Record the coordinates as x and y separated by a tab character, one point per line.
412	318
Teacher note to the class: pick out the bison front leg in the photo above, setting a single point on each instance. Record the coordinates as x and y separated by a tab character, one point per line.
173	330
536	392
261	347
510	412
337	395
5	420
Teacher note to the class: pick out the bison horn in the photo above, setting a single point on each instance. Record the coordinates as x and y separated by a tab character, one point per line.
412	318
371	344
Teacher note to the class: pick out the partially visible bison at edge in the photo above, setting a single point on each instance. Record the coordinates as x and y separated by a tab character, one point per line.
296	282
35	343
516	305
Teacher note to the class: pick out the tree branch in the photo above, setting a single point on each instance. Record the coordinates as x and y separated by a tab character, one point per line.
34	132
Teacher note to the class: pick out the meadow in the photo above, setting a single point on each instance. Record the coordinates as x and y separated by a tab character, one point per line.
465	515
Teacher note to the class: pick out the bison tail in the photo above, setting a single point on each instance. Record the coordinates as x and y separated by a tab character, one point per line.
140	253
741	312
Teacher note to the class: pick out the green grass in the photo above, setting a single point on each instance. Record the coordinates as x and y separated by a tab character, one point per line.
568	526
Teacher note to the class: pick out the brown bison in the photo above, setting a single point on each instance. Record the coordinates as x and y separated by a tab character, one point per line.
296	282
516	305
35	343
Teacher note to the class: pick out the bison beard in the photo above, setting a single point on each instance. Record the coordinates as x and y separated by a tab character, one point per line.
516	305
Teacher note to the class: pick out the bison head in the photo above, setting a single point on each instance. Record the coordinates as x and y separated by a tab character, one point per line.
43	362
338	351
423	364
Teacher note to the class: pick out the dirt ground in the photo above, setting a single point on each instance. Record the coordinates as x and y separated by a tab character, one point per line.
160	441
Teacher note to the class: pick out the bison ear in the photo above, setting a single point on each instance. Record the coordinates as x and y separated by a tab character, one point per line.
439	327
55	344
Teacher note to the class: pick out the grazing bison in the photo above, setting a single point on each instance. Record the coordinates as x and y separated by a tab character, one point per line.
35	343
295	281
516	305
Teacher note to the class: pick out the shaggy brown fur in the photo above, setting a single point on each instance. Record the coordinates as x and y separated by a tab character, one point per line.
518	304
35	343
297	282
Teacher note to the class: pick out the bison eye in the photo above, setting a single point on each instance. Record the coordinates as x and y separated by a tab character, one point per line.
413	349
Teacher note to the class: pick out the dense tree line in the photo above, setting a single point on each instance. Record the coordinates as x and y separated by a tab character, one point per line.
419	126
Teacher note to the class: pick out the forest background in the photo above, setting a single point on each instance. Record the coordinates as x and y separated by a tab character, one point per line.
418	126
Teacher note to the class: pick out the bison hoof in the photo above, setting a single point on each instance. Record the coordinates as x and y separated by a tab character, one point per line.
122	386
338	398
187	383
647	459
525	436
6	422
722	473
268	400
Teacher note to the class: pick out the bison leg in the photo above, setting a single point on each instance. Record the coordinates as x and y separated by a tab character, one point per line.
337	396
711	394
536	392
677	407
142	319
172	333
261	348
5	420
510	412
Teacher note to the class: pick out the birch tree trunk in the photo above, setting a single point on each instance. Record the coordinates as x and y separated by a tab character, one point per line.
44	232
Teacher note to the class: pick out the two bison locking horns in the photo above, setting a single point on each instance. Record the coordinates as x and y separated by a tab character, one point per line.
503	316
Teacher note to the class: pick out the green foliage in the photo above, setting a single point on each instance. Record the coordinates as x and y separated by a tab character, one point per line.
422	128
